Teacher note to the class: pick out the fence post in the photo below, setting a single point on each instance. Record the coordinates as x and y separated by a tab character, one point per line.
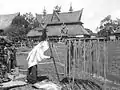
105	58
74	64
84	56
98	57
90	61
69	61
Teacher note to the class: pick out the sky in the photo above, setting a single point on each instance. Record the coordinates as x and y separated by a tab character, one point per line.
94	10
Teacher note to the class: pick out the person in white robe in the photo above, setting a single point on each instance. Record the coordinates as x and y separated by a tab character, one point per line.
35	56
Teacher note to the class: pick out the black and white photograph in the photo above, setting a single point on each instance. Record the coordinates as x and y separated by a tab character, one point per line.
60	45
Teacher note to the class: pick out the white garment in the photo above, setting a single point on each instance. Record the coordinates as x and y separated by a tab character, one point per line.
37	54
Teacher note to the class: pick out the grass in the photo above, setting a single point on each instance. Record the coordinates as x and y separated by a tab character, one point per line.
60	56
59	53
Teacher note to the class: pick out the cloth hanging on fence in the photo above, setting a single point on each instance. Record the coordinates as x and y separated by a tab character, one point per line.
37	54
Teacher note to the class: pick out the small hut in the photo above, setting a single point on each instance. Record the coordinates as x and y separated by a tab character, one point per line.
117	33
35	34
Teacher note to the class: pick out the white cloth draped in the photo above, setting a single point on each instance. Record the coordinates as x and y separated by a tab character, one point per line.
37	54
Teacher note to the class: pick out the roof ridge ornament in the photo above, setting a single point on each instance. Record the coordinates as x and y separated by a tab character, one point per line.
55	14
71	8
44	12
57	9
80	15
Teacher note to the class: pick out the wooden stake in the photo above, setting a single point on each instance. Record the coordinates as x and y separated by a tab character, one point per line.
54	62
84	56
73	67
104	64
98	58
69	59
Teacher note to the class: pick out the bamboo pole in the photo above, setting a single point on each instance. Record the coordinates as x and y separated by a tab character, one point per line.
79	44
92	55
84	57
105	64
69	64
54	62
98	58
73	67
67	58
90	68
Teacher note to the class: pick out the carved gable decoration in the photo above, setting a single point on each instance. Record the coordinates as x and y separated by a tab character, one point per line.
64	29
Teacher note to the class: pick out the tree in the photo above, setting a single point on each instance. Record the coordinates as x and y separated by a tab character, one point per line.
20	26
16	33
107	26
18	29
20	21
33	23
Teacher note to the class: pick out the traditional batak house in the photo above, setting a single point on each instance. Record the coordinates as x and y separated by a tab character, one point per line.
92	35
63	24
34	35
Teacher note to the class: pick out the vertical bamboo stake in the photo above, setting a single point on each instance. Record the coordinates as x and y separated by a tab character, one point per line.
67	58
54	62
69	64
73	68
86	63
92	55
78	57
106	57
90	70
104	64
98	58
84	56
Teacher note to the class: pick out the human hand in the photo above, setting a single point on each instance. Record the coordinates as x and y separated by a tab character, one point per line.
51	57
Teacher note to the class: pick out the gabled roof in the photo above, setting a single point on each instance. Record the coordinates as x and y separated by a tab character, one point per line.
117	32
65	17
6	20
54	23
90	32
73	30
34	33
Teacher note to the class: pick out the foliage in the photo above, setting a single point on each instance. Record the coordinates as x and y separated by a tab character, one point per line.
17	33
20	21
20	26
108	26
31	20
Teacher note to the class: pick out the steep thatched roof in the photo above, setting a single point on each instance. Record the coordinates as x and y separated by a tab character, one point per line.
54	22
72	30
6	20
117	31
35	32
65	17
